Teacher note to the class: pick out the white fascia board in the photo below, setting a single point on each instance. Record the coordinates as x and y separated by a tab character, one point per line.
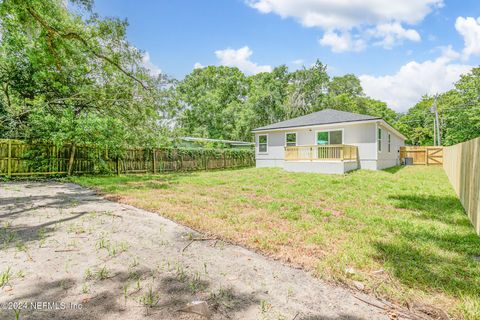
392	129
319	126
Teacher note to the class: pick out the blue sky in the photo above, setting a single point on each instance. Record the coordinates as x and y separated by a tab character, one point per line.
400	49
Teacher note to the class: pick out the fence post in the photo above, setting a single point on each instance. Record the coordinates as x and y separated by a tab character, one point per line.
224	160
154	165
9	159
117	166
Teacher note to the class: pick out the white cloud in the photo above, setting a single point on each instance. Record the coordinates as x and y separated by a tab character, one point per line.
393	33
341	42
198	65
469	28
240	58
360	17
405	88
298	62
154	70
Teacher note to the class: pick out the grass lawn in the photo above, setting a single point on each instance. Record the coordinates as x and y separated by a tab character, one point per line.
400	233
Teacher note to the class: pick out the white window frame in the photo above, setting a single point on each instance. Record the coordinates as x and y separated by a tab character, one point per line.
389	143
296	137
329	130
266	144
379	139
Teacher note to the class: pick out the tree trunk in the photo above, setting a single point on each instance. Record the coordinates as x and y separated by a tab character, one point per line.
72	159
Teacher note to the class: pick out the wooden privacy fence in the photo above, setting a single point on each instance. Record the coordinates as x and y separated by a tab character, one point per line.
422	155
18	158
462	166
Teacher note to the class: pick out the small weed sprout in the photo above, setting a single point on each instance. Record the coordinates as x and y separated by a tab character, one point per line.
265	306
21	247
195	283
88	274
103	273
150	299
180	271
134	263
5	277
41	234
17	313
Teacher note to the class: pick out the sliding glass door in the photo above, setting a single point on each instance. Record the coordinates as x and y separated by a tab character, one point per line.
329	137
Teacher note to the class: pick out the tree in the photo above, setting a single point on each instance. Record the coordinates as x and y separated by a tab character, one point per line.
459	112
74	79
210	100
308	90
267	94
347	84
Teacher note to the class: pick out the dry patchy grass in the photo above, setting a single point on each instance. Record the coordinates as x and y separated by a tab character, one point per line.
401	233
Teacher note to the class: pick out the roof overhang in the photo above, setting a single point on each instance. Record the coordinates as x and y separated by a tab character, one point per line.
345	123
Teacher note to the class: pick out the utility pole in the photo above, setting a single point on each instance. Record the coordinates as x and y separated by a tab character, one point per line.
436	124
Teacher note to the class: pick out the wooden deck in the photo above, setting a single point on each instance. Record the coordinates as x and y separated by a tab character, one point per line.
339	152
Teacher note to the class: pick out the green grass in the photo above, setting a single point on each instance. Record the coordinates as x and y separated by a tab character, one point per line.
403	232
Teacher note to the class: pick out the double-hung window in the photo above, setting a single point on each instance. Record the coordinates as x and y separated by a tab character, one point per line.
379	141
291	139
263	143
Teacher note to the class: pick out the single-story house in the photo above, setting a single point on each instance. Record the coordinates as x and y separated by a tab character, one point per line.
328	141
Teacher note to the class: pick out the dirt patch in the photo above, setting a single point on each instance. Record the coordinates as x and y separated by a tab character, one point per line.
91	258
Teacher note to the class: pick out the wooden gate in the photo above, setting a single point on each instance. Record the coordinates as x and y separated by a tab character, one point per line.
434	155
422	155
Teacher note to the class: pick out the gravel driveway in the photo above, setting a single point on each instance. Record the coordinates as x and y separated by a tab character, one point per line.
70	254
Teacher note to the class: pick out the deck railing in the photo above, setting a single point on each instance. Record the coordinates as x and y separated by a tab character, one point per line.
321	152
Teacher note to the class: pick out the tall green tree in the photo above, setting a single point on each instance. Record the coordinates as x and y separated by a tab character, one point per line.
210	100
459	112
308	90
72	78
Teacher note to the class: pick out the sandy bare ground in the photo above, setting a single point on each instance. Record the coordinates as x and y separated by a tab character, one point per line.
62	243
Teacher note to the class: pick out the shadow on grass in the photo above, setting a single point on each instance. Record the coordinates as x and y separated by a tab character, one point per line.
446	209
420	266
394	169
427	256
111	183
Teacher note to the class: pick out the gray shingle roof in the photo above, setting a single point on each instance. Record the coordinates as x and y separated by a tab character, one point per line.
325	116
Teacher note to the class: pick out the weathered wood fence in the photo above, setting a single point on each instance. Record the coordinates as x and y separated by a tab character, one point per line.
462	166
422	155
18	158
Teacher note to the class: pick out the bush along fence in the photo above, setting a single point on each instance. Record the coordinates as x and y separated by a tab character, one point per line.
19	158
462	166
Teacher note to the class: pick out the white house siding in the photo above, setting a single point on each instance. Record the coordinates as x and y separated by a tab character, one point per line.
335	167
389	159
362	135
275	155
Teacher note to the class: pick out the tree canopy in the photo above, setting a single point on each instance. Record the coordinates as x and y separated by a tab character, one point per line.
223	103
74	78
459	112
70	76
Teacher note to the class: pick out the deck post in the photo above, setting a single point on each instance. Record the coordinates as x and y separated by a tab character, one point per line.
9	159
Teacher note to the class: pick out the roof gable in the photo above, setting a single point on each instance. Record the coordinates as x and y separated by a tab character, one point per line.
326	116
